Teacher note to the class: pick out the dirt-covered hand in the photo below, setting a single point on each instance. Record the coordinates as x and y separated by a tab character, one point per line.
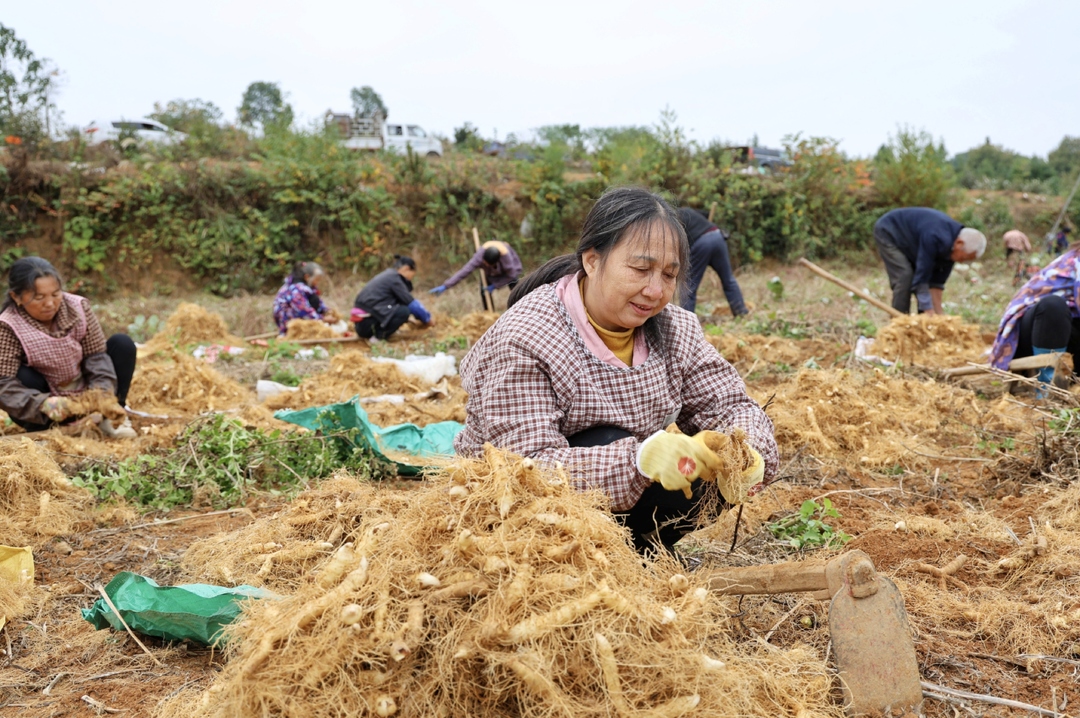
56	408
673	460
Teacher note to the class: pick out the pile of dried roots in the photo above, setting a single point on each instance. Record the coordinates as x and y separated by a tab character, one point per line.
36	499
191	324
930	340
174	383
495	589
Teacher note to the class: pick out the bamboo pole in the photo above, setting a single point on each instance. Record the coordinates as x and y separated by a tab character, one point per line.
489	301
850	287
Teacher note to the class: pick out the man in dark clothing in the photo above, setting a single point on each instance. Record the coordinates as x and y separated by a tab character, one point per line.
386	302
708	248
919	246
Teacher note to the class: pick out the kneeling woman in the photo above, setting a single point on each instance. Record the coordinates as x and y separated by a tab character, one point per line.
1043	317
592	359
52	347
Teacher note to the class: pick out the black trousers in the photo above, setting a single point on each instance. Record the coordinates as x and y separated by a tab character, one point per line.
669	513
1049	325
368	327
121	350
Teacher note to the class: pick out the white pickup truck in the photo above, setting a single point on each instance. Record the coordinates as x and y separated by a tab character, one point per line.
373	133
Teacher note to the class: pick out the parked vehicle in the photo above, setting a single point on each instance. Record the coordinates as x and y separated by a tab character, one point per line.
374	133
766	159
142	129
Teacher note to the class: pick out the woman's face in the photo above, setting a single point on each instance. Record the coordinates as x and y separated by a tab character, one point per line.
407	272
636	281
43	301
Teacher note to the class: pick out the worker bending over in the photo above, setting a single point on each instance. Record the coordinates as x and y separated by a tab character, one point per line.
1043	317
708	248
386	302
591	361
499	261
919	246
52	348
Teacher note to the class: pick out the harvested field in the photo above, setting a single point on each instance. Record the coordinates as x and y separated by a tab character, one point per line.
542	608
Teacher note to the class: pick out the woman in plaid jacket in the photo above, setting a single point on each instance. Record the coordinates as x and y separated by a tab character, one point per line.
592	360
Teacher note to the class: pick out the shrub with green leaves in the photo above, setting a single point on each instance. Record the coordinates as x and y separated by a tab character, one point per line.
808	528
220	458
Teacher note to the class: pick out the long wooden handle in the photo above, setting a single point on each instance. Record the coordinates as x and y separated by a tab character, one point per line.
1032	362
773	578
488	302
850	287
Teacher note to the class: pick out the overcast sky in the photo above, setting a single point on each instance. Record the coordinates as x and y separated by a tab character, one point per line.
852	70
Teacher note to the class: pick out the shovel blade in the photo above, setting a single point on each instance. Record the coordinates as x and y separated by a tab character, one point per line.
874	652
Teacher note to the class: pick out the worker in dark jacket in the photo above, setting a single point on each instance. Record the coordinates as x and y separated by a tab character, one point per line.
386	302
919	246
708	248
499	261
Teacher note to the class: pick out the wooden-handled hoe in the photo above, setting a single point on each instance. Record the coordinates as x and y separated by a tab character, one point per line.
867	624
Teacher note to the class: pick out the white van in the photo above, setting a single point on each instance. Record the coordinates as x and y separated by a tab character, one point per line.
373	133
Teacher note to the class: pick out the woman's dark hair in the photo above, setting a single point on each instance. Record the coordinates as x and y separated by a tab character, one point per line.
401	261
24	273
614	214
491	255
302	270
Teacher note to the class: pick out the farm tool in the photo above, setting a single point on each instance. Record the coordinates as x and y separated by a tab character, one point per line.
868	625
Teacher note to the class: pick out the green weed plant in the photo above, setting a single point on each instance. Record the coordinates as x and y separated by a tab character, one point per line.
808	527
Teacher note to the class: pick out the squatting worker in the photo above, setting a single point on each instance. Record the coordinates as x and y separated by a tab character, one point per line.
500	263
52	348
299	296
919	246
591	359
708	248
1043	317
386	302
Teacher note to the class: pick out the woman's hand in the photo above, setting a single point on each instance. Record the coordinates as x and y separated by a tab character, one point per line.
56	408
675	460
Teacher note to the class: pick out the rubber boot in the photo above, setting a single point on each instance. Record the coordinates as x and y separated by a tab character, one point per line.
1046	373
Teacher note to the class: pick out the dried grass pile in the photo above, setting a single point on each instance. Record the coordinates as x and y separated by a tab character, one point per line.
930	340
72	452
192	324
751	351
36	499
495	589
308	329
471	326
447	407
869	418
350	373
1017	588
174	383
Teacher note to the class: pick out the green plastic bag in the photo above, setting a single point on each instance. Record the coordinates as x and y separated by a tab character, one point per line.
432	440
195	612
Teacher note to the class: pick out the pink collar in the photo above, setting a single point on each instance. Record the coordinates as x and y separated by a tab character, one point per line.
566	289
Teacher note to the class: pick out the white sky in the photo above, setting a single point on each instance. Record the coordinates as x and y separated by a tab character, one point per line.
849	69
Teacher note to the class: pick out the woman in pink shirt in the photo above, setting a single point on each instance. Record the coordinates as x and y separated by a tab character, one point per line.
593	359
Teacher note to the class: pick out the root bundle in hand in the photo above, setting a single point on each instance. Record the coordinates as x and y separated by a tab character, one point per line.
494	589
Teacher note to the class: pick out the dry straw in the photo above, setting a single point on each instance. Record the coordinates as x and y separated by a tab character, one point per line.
191	324
173	383
36	499
752	351
870	418
930	340
308	329
494	589
351	372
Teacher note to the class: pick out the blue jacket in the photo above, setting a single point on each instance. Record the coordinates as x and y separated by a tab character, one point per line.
926	237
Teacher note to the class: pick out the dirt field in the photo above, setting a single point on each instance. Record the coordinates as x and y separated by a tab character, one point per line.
920	471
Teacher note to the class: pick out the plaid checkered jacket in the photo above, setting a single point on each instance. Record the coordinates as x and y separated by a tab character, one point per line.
532	382
58	358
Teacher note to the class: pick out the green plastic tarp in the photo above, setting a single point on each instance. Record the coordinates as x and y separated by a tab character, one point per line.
196	612
431	440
